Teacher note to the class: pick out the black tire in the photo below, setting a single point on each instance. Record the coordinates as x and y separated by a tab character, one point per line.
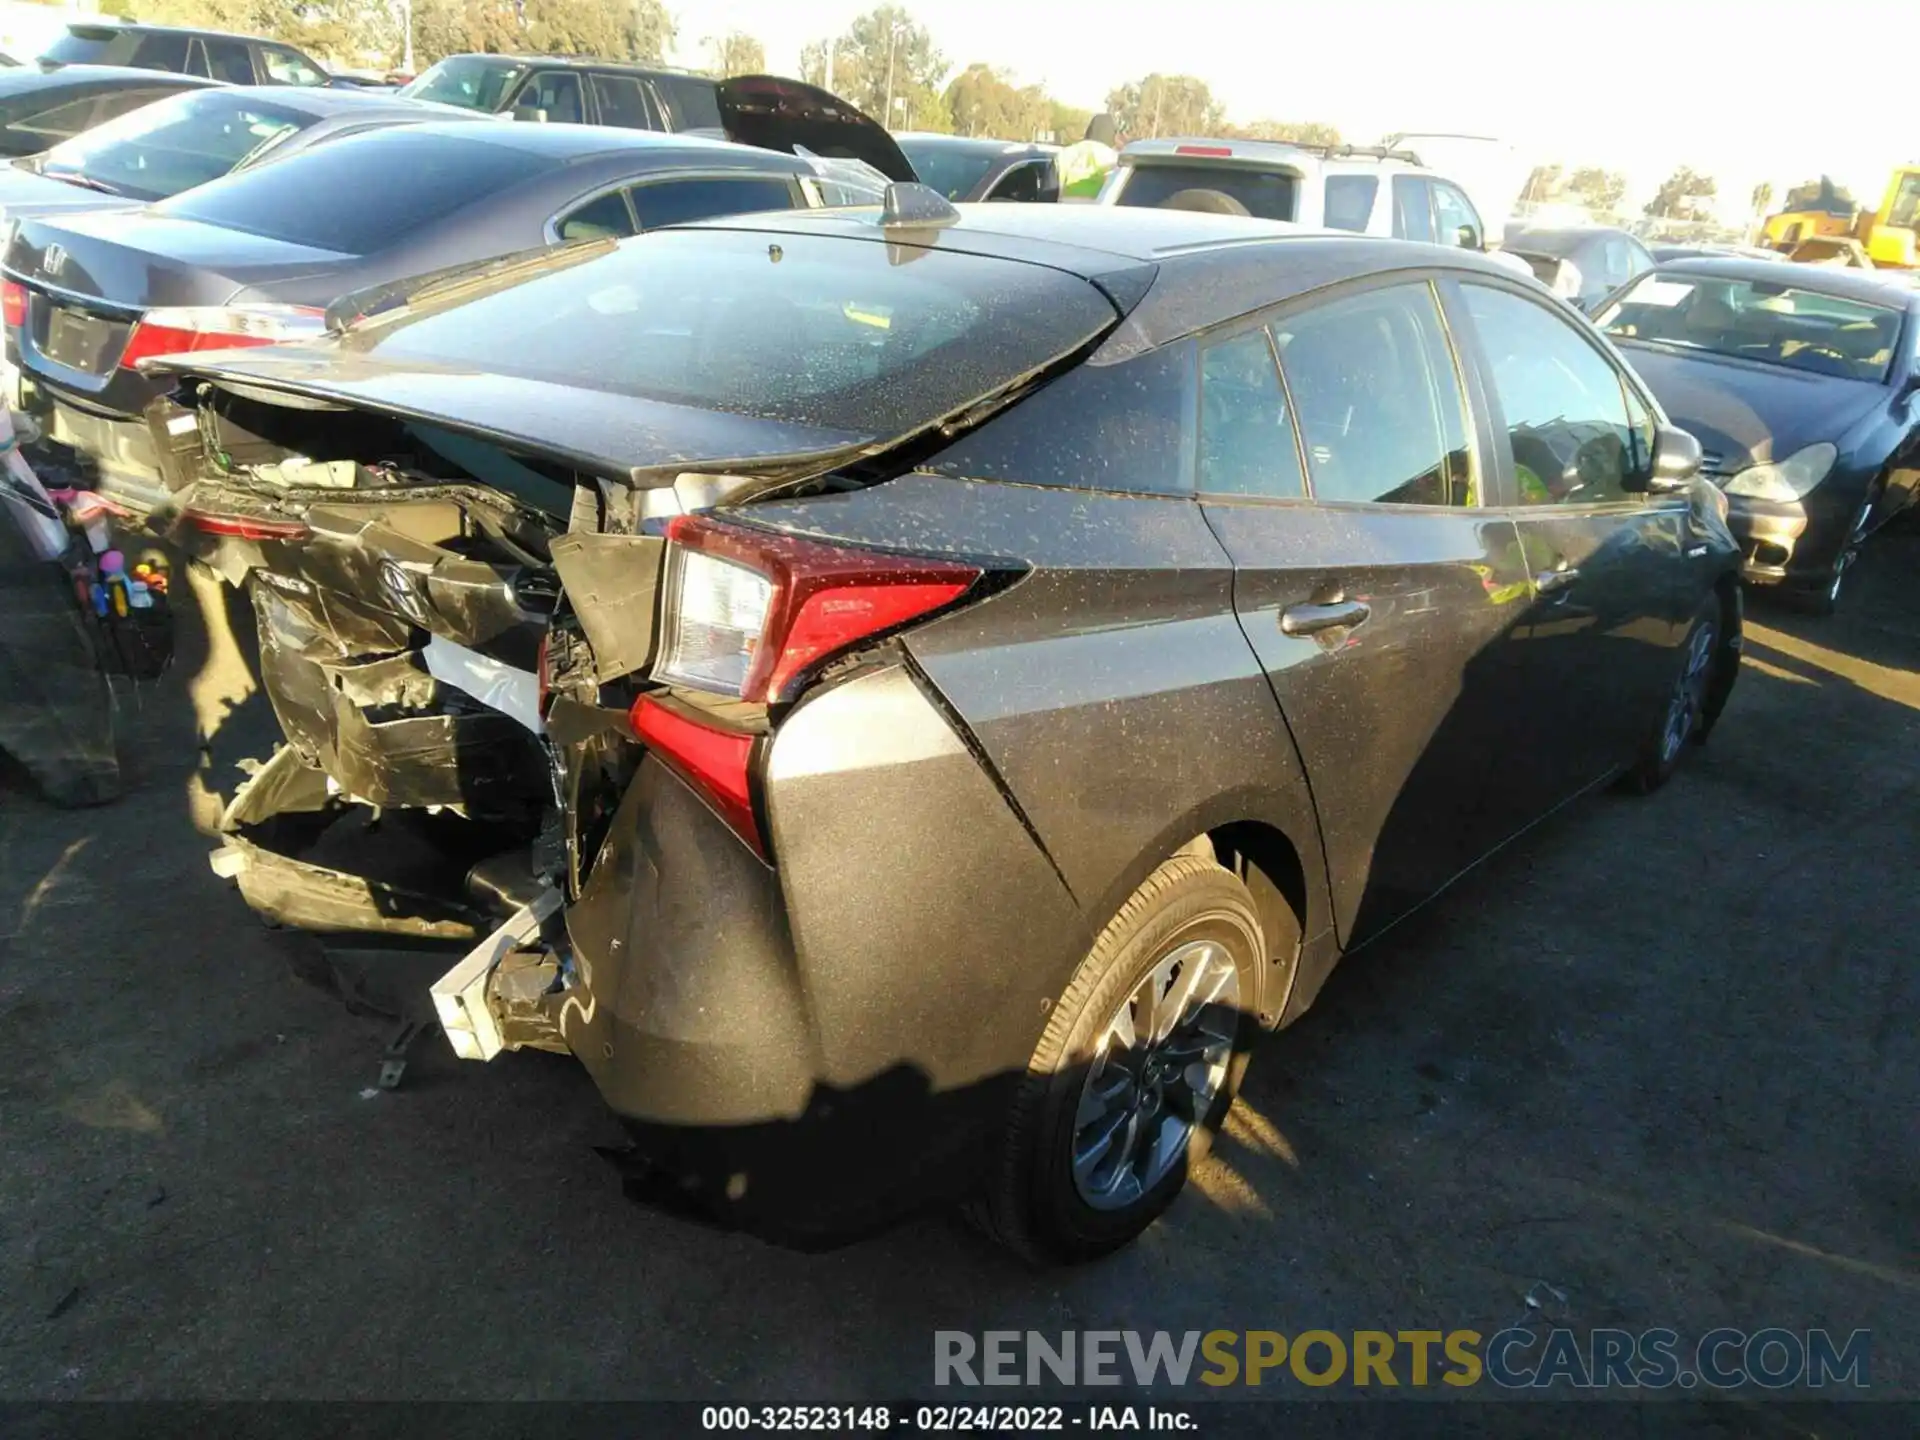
1034	1204
1823	599
1685	713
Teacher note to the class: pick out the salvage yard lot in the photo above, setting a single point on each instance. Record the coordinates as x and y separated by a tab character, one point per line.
1659	1058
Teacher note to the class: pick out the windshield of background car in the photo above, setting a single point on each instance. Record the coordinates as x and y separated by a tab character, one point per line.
1776	323
953	170
174	144
841	334
1905	211
1267	194
419	178
473	81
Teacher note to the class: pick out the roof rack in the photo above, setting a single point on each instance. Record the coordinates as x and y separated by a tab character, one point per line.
1355	152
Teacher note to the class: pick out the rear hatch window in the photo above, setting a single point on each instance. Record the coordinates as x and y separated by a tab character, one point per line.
307	199
841	334
1264	194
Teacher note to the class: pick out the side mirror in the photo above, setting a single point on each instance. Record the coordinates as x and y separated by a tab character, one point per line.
1049	187
1468	238
1676	461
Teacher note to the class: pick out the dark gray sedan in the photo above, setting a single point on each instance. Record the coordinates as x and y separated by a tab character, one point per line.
917	698
257	257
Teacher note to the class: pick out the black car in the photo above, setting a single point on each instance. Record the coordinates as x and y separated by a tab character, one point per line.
919	688
1802	385
39	107
216	54
259	255
1582	264
963	167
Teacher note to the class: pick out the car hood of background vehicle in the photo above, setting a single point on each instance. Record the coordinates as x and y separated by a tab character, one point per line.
622	437
1743	410
141	259
24	193
775	113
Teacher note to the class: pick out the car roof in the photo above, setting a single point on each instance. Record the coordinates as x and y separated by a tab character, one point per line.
579	62
1565	234
977	144
82	24
1206	269
1286	154
641	150
1866	286
329	100
25	79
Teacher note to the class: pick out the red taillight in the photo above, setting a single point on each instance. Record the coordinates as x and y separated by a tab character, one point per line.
245	527
146	341
814	601
713	760
1214	150
13	303
181	330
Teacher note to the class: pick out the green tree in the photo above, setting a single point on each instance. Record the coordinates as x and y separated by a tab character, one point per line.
736	53
610	29
885	56
1681	194
1601	191
981	100
1296	132
1165	105
1067	122
1543	184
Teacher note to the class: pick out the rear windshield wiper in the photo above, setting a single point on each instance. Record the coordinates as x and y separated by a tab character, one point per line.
78	177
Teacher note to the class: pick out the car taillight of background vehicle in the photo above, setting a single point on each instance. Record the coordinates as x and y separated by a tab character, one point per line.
182	329
751	614
13	303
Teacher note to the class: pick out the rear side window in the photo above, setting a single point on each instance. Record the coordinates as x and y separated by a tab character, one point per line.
675	202
1574	442
603	219
1023	184
1268	194
162	52
1246	437
50	127
289	67
1098	427
420	179
691	102
1349	204
1412	209
228	60
623	102
1377	396
552	95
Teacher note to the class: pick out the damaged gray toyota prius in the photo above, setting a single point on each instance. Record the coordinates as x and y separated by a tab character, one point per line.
906	696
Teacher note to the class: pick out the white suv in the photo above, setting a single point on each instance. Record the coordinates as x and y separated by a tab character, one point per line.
1369	191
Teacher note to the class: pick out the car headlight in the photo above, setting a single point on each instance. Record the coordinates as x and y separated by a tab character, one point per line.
1785	480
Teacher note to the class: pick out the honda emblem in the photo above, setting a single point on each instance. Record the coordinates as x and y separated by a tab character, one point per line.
53	259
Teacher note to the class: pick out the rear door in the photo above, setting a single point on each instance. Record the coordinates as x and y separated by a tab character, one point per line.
622	101
1375	589
228	60
1412	208
1605	561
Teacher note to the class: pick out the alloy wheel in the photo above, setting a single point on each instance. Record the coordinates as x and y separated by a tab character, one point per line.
1689	699
1159	1063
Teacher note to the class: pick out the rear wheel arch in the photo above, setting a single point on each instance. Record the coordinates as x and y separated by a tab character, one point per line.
1262	856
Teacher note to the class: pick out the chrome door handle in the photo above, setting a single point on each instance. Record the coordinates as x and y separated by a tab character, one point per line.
1548	581
1312	619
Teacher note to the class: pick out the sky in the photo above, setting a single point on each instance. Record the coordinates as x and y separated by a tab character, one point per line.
1745	92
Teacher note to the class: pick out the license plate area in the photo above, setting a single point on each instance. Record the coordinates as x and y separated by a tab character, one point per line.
90	343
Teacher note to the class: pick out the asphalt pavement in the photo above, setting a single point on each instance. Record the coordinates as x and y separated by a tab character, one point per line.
1655	1065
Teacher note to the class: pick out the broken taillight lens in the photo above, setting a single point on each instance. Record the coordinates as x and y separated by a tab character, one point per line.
244	527
752	613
